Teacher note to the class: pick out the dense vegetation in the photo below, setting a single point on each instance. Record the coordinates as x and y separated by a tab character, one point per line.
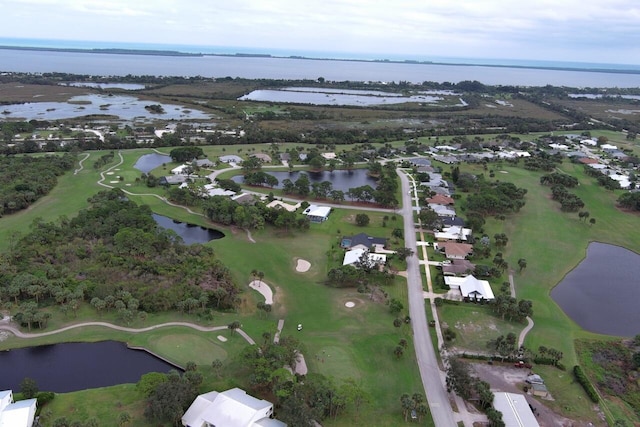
114	255
25	179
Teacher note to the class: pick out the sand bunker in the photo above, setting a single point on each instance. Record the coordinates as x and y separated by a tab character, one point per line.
113	182
264	289
349	304
221	338
109	173
302	266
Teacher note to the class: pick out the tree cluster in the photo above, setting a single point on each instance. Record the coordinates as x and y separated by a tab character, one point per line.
115	252
630	200
557	178
25	179
185	154
495	198
569	202
509	307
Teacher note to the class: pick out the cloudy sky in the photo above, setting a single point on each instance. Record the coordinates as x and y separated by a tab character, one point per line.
605	31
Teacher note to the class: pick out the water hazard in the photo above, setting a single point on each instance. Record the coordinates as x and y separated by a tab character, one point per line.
601	294
341	179
77	366
190	233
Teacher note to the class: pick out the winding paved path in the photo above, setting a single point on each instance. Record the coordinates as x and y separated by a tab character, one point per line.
86	156
525	331
5	326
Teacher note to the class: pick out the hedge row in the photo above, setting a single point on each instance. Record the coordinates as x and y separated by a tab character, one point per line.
585	383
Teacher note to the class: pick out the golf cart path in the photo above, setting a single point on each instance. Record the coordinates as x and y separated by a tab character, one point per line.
5	326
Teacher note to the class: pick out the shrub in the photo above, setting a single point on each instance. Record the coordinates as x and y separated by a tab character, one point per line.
585	383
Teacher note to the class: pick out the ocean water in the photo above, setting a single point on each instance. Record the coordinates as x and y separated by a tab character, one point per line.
284	66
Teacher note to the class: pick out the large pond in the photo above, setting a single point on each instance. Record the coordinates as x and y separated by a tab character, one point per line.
190	233
124	107
321	96
341	179
601	294
149	162
77	366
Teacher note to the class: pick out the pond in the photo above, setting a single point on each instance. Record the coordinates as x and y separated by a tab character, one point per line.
123	86
190	233
149	162
341	179
322	96
121	106
77	366
601	294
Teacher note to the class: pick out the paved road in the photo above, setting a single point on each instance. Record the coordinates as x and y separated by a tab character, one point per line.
436	394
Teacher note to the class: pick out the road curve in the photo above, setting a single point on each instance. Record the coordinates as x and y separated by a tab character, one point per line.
436	394
18	333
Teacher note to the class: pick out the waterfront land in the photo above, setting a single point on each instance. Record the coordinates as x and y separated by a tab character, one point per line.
338	341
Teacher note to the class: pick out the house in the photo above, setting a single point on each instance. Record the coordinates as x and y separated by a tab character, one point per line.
608	148
442	211
231	408
454	250
451	221
285	157
354	255
18	414
244	198
419	161
446	159
278	204
441	199
172	180
515	409
317	213
230	158
458	267
363	241
202	163
265	158
329	156
470	287
453	233
539	389
588	161
181	170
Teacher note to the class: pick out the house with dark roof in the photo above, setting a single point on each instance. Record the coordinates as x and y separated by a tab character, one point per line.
459	267
364	241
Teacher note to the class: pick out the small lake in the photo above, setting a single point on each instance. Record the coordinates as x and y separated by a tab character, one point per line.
320	96
341	179
123	86
149	162
77	366
190	233
121	106
601	294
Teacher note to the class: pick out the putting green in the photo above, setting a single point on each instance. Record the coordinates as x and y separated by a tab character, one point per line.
183	348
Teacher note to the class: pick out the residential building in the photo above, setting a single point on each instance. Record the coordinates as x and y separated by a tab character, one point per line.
265	158
453	233
458	267
363	241
231	408
317	213
353	256
470	287
515	409
18	414
454	250
230	158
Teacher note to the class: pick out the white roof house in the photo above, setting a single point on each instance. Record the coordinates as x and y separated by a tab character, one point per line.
515	410
230	158
454	232
442	210
231	408
470	287
279	204
608	147
352	256
317	213
19	414
180	170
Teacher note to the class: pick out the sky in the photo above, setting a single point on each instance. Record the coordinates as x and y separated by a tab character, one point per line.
597	31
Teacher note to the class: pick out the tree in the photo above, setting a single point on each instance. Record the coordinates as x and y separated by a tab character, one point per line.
592	221
148	382
217	365
29	388
362	220
233	326
522	263
404	253
354	394
398	351
395	306
459	377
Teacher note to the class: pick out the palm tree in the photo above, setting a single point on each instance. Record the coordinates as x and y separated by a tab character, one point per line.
260	275
254	273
